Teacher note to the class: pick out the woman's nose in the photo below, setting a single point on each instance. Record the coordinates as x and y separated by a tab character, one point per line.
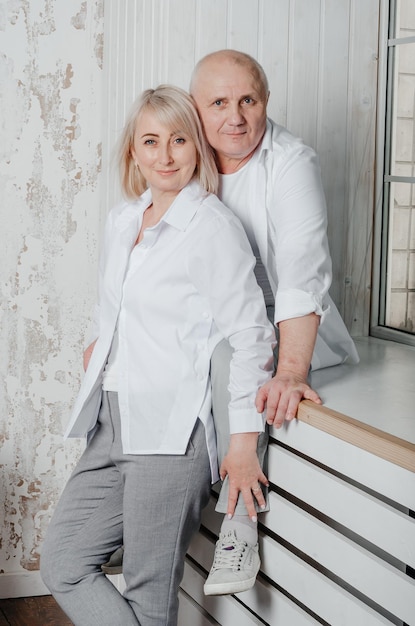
165	154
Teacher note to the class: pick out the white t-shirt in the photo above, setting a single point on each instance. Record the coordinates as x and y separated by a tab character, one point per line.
234	191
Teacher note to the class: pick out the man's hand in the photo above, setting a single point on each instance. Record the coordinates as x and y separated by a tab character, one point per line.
88	354
282	395
244	473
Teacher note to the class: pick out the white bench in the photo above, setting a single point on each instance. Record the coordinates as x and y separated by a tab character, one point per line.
338	545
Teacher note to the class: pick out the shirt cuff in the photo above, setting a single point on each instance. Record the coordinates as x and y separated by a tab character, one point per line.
290	303
246	421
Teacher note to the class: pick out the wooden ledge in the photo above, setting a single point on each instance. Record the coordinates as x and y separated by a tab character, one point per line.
363	436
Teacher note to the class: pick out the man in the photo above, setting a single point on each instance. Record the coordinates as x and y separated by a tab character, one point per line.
271	180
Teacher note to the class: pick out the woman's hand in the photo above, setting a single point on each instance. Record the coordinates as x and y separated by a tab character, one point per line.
88	353
244	473
281	396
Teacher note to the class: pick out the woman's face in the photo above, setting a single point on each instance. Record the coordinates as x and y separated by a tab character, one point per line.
166	157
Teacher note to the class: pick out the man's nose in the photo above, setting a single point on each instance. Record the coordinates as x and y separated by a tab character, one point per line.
235	117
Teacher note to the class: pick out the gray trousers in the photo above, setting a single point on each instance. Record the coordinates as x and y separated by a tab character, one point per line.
150	503
220	374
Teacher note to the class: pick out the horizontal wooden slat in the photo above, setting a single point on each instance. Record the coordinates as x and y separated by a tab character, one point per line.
320	594
388	479
372	519
190	612
357	433
376	579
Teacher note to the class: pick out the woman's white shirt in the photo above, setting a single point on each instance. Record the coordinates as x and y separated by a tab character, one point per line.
188	284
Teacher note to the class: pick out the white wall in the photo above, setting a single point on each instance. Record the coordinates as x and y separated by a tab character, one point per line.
57	104
321	60
50	145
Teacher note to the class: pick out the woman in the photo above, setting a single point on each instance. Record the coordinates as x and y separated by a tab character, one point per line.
164	303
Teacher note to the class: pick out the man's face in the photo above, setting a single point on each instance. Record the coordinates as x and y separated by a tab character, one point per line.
232	110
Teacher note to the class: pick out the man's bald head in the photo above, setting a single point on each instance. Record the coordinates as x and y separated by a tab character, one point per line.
241	59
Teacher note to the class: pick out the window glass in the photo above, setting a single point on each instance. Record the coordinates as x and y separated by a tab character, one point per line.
399	275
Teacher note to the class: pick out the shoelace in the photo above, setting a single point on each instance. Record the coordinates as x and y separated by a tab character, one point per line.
228	554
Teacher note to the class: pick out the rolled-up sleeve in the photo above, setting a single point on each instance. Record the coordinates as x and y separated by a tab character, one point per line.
298	223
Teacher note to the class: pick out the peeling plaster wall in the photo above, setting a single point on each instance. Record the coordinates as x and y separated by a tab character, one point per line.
50	132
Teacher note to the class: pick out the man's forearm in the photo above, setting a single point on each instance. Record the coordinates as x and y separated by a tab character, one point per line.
283	393
297	338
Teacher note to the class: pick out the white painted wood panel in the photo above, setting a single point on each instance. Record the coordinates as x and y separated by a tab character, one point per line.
337	549
190	612
361	121
365	572
394	482
211	26
391	530
320	58
180	52
272	53
324	597
243	20
332	129
303	69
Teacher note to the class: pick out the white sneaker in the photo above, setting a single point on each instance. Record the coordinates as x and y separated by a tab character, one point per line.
234	568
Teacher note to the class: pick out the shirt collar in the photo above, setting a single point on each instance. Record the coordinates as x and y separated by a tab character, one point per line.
179	215
184	206
266	142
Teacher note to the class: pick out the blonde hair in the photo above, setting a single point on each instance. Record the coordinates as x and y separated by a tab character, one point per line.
175	109
239	58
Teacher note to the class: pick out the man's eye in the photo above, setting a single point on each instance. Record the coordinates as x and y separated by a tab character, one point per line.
218	103
248	100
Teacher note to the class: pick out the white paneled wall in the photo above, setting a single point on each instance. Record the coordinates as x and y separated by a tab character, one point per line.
332	553
321	60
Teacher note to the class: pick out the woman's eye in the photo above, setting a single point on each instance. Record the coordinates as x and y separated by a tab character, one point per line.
149	142
179	140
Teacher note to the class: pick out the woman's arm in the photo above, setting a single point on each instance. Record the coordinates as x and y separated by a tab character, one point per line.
222	271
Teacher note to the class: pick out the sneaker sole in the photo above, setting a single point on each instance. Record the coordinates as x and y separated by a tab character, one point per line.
222	589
